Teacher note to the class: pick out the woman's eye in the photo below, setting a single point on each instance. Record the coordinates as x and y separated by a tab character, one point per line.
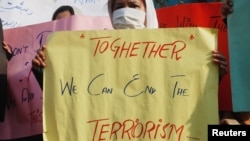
118	7
134	6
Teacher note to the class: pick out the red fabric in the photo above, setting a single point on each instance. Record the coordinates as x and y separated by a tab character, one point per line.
201	15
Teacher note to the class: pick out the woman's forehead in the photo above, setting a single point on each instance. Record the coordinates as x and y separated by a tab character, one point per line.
123	1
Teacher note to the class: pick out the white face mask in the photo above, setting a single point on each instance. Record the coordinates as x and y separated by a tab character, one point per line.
128	18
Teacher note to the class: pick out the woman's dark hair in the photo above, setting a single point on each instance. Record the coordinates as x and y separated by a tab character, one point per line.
63	9
112	2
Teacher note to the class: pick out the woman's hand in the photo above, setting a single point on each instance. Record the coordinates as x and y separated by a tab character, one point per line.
8	50
6	47
220	59
39	60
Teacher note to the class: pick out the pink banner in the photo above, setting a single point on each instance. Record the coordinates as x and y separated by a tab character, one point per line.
23	115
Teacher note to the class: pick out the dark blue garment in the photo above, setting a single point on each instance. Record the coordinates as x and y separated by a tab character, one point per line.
31	138
3	75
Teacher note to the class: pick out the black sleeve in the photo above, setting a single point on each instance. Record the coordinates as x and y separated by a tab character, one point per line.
3	76
3	95
225	21
38	72
9	55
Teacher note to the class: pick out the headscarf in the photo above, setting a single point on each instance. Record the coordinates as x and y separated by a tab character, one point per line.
151	17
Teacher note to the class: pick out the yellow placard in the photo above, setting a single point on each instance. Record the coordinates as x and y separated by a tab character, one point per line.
120	85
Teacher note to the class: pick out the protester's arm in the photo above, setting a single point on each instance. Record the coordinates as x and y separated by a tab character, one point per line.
38	63
220	59
8	51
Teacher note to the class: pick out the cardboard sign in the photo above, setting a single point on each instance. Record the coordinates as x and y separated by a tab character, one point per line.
148	84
